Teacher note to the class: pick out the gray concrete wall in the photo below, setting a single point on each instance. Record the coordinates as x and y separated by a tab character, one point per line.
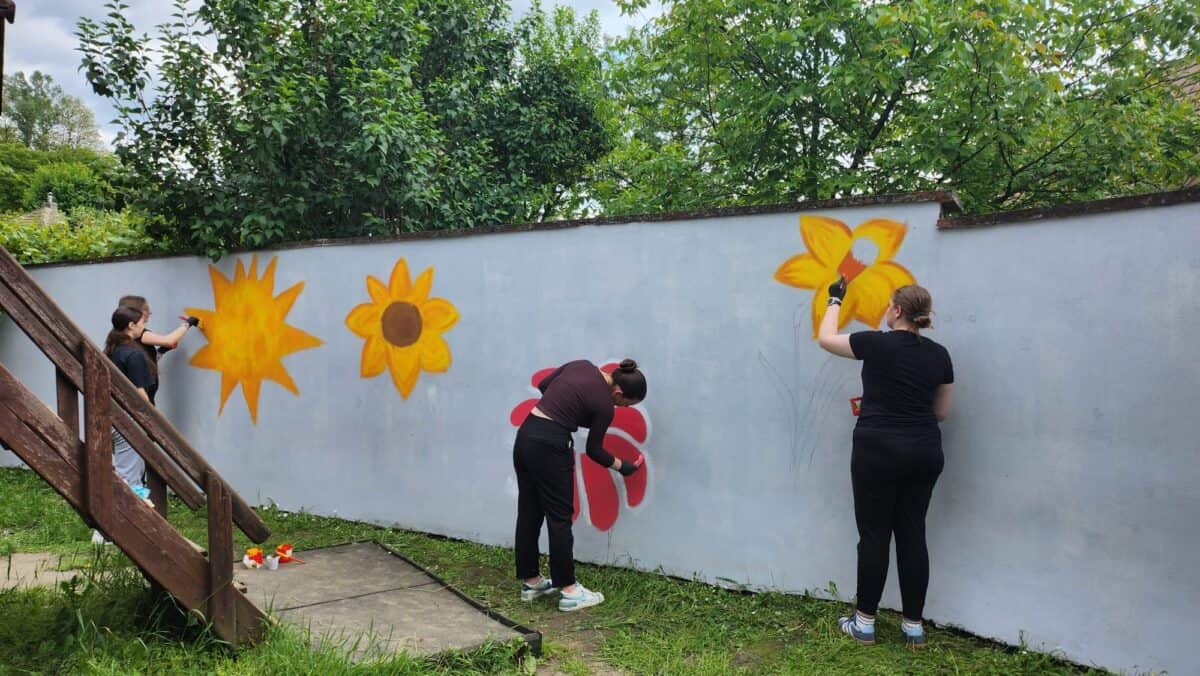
1066	513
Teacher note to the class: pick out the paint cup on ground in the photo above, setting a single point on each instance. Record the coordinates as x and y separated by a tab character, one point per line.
272	562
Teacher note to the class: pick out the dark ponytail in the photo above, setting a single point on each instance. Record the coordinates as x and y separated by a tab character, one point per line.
122	317
631	381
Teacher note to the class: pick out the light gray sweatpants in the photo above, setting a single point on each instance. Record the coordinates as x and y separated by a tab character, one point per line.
129	465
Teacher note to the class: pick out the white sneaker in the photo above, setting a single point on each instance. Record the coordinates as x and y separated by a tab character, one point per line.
98	539
582	598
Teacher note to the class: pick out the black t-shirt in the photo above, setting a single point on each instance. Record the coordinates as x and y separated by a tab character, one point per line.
901	374
131	359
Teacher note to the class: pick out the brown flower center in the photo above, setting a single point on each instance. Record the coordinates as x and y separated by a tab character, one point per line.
401	324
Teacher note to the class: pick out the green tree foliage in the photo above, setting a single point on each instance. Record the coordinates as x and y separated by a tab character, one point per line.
1011	103
40	116
330	118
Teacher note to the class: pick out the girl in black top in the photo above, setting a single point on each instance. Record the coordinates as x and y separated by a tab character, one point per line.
897	456
122	347
156	344
577	394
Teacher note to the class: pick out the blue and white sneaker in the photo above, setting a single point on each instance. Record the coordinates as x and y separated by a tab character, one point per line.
850	626
914	637
582	598
537	591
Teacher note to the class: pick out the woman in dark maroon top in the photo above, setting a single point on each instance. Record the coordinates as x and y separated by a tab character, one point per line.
577	394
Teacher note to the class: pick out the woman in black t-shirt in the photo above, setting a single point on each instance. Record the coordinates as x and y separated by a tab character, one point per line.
577	394
897	456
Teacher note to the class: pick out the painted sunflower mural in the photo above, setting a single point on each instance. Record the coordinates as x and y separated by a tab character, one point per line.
402	328
830	254
248	334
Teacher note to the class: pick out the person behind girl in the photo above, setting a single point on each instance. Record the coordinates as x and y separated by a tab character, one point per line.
577	394
123	348
155	344
897	452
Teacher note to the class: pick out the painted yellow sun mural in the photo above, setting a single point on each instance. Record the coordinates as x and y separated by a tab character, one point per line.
248	334
403	328
830	254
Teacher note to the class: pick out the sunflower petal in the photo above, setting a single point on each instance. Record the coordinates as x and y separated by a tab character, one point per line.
601	495
276	372
399	284
438	314
374	358
250	389
887	234
828	239
228	383
364	320
421	287
405	367
821	301
435	353
872	290
804	271
379	292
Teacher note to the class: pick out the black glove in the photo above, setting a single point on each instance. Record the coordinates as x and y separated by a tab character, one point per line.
838	289
628	468
193	321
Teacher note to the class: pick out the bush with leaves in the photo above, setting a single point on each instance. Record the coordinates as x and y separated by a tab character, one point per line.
73	185
18	166
86	234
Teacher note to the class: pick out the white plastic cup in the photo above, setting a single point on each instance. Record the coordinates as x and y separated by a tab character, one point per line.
272	562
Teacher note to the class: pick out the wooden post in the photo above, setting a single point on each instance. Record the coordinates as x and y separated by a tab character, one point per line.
222	610
158	491
68	400
98	475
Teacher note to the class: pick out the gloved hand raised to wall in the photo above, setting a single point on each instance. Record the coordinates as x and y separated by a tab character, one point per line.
190	321
628	468
838	289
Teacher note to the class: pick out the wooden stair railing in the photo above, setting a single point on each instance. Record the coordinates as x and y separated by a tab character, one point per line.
82	471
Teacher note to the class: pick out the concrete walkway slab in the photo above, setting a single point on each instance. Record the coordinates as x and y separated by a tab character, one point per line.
23	570
371	600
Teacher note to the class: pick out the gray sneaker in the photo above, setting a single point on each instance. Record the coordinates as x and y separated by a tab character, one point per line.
582	598
850	627
914	641
543	588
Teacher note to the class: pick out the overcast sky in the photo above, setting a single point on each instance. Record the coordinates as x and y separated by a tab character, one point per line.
43	38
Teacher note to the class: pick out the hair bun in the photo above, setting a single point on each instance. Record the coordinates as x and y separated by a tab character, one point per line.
628	365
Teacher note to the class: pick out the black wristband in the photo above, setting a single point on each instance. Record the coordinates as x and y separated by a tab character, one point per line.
833	301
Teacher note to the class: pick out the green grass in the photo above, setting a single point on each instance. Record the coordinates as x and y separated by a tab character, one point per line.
106	623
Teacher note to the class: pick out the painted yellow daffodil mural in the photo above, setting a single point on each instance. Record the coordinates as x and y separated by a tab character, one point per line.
830	254
248	334
402	328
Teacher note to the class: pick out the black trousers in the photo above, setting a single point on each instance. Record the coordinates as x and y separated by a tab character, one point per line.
544	457
893	473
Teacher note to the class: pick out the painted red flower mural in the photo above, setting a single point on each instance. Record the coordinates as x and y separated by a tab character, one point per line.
625	439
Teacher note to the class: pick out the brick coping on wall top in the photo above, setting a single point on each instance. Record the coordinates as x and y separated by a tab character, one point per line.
948	220
1148	200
